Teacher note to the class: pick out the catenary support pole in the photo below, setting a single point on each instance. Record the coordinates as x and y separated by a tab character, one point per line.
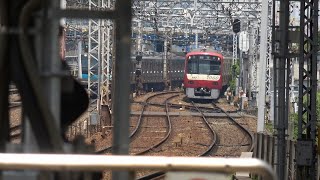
121	82
262	75
79	59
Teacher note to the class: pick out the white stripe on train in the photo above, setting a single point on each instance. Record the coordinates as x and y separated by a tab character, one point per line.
203	77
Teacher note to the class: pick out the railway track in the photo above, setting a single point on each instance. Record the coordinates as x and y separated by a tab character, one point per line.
206	152
137	131
189	107
15	130
231	144
161	133
138	125
215	143
15	104
13	91
153	101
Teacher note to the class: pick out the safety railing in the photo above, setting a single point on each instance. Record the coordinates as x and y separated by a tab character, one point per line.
61	162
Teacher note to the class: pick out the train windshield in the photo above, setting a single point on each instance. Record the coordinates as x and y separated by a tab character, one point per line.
204	64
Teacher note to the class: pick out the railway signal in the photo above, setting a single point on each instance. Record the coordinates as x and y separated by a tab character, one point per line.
138	74
138	58
86	48
236	26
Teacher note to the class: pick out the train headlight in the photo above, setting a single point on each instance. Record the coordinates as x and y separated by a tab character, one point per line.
190	82
215	83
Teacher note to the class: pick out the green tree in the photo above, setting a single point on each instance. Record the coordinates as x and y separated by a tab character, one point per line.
235	73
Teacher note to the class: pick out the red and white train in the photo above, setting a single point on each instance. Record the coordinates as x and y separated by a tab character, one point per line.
206	73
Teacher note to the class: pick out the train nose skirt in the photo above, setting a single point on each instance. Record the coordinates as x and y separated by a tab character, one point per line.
202	92
196	94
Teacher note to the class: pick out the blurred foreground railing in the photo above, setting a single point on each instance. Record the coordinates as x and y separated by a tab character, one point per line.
56	162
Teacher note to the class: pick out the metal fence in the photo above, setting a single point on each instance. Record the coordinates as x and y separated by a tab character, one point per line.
83	128
266	149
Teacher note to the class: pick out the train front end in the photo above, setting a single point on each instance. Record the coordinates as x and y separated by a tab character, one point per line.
203	76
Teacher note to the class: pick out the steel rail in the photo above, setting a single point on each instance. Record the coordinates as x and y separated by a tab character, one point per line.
169	129
136	129
18	127
206	153
15	132
143	109
105	150
186	106
15	104
238	125
213	133
13	91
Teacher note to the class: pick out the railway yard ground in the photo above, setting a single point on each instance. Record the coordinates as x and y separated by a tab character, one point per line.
169	124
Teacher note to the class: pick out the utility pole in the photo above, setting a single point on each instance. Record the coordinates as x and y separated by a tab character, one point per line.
138	71
262	75
165	64
281	60
79	59
253	63
306	155
94	65
241	66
